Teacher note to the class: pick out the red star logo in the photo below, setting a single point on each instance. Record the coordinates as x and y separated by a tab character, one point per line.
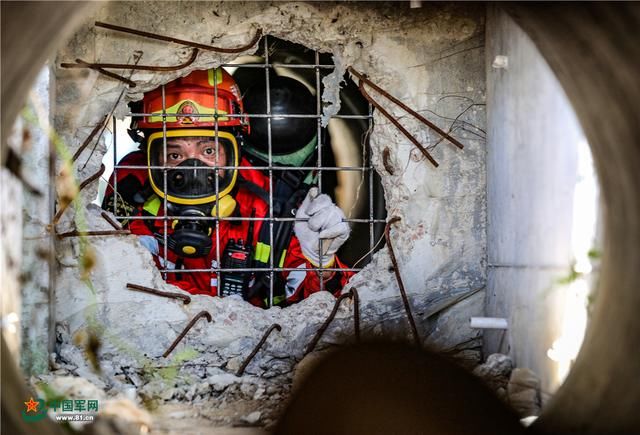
32	405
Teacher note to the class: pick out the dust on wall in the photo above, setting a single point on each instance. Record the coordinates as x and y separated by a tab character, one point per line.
431	58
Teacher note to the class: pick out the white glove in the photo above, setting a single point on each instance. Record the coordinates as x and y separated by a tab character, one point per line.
325	223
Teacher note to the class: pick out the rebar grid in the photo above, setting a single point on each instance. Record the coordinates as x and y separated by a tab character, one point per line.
366	167
270	163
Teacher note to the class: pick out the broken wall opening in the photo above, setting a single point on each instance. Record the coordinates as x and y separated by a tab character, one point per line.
342	166
442	210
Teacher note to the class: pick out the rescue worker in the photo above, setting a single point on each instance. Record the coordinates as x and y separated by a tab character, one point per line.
198	174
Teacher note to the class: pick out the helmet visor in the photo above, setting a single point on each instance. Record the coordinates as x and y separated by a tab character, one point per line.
195	163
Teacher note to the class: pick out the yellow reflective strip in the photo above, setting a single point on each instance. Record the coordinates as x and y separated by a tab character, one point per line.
276	300
262	252
218	76
157	116
152	205
284	254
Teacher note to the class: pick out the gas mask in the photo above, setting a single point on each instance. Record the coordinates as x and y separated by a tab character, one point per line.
187	173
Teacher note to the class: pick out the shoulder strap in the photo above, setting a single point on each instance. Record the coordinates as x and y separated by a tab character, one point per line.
288	193
253	188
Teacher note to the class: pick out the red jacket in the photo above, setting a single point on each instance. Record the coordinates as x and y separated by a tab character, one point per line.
299	284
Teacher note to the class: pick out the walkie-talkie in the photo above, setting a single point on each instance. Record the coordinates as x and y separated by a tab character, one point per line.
237	255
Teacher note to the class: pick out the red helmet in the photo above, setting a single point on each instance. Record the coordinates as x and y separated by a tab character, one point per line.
195	94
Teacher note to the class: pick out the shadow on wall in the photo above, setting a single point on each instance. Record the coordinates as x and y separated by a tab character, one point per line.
394	389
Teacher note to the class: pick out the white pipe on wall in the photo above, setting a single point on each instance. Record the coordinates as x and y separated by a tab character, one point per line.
488	323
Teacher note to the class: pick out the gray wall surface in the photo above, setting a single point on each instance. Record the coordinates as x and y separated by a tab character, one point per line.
436	66
531	174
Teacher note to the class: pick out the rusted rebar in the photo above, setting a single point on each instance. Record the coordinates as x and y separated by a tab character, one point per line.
159	37
356	313
192	58
84	184
395	122
137	55
89	138
184	298
386	157
418	116
89	65
185	330
326	323
257	348
76	233
92	178
396	269
108	218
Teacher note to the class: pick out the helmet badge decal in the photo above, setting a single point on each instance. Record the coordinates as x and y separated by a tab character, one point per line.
186	108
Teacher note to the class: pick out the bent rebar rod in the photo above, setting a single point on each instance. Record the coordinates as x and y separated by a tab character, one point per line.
356	313
184	298
137	55
403	293
409	110
84	184
89	138
396	123
159	37
108	218
76	233
185	330
131	83
326	323
194	55
257	348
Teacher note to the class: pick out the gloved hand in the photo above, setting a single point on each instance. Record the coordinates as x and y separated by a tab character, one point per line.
325	223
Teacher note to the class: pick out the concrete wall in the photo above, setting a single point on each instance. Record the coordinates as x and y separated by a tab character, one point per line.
27	241
38	241
431	58
532	157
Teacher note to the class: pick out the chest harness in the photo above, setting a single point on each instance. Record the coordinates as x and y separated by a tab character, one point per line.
289	189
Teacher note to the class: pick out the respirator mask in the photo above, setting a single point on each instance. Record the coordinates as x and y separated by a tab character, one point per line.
186	172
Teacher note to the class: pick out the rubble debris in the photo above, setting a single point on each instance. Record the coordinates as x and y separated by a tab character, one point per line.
524	392
252	418
495	373
110	406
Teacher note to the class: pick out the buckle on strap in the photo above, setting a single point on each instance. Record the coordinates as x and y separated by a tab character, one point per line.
293	178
